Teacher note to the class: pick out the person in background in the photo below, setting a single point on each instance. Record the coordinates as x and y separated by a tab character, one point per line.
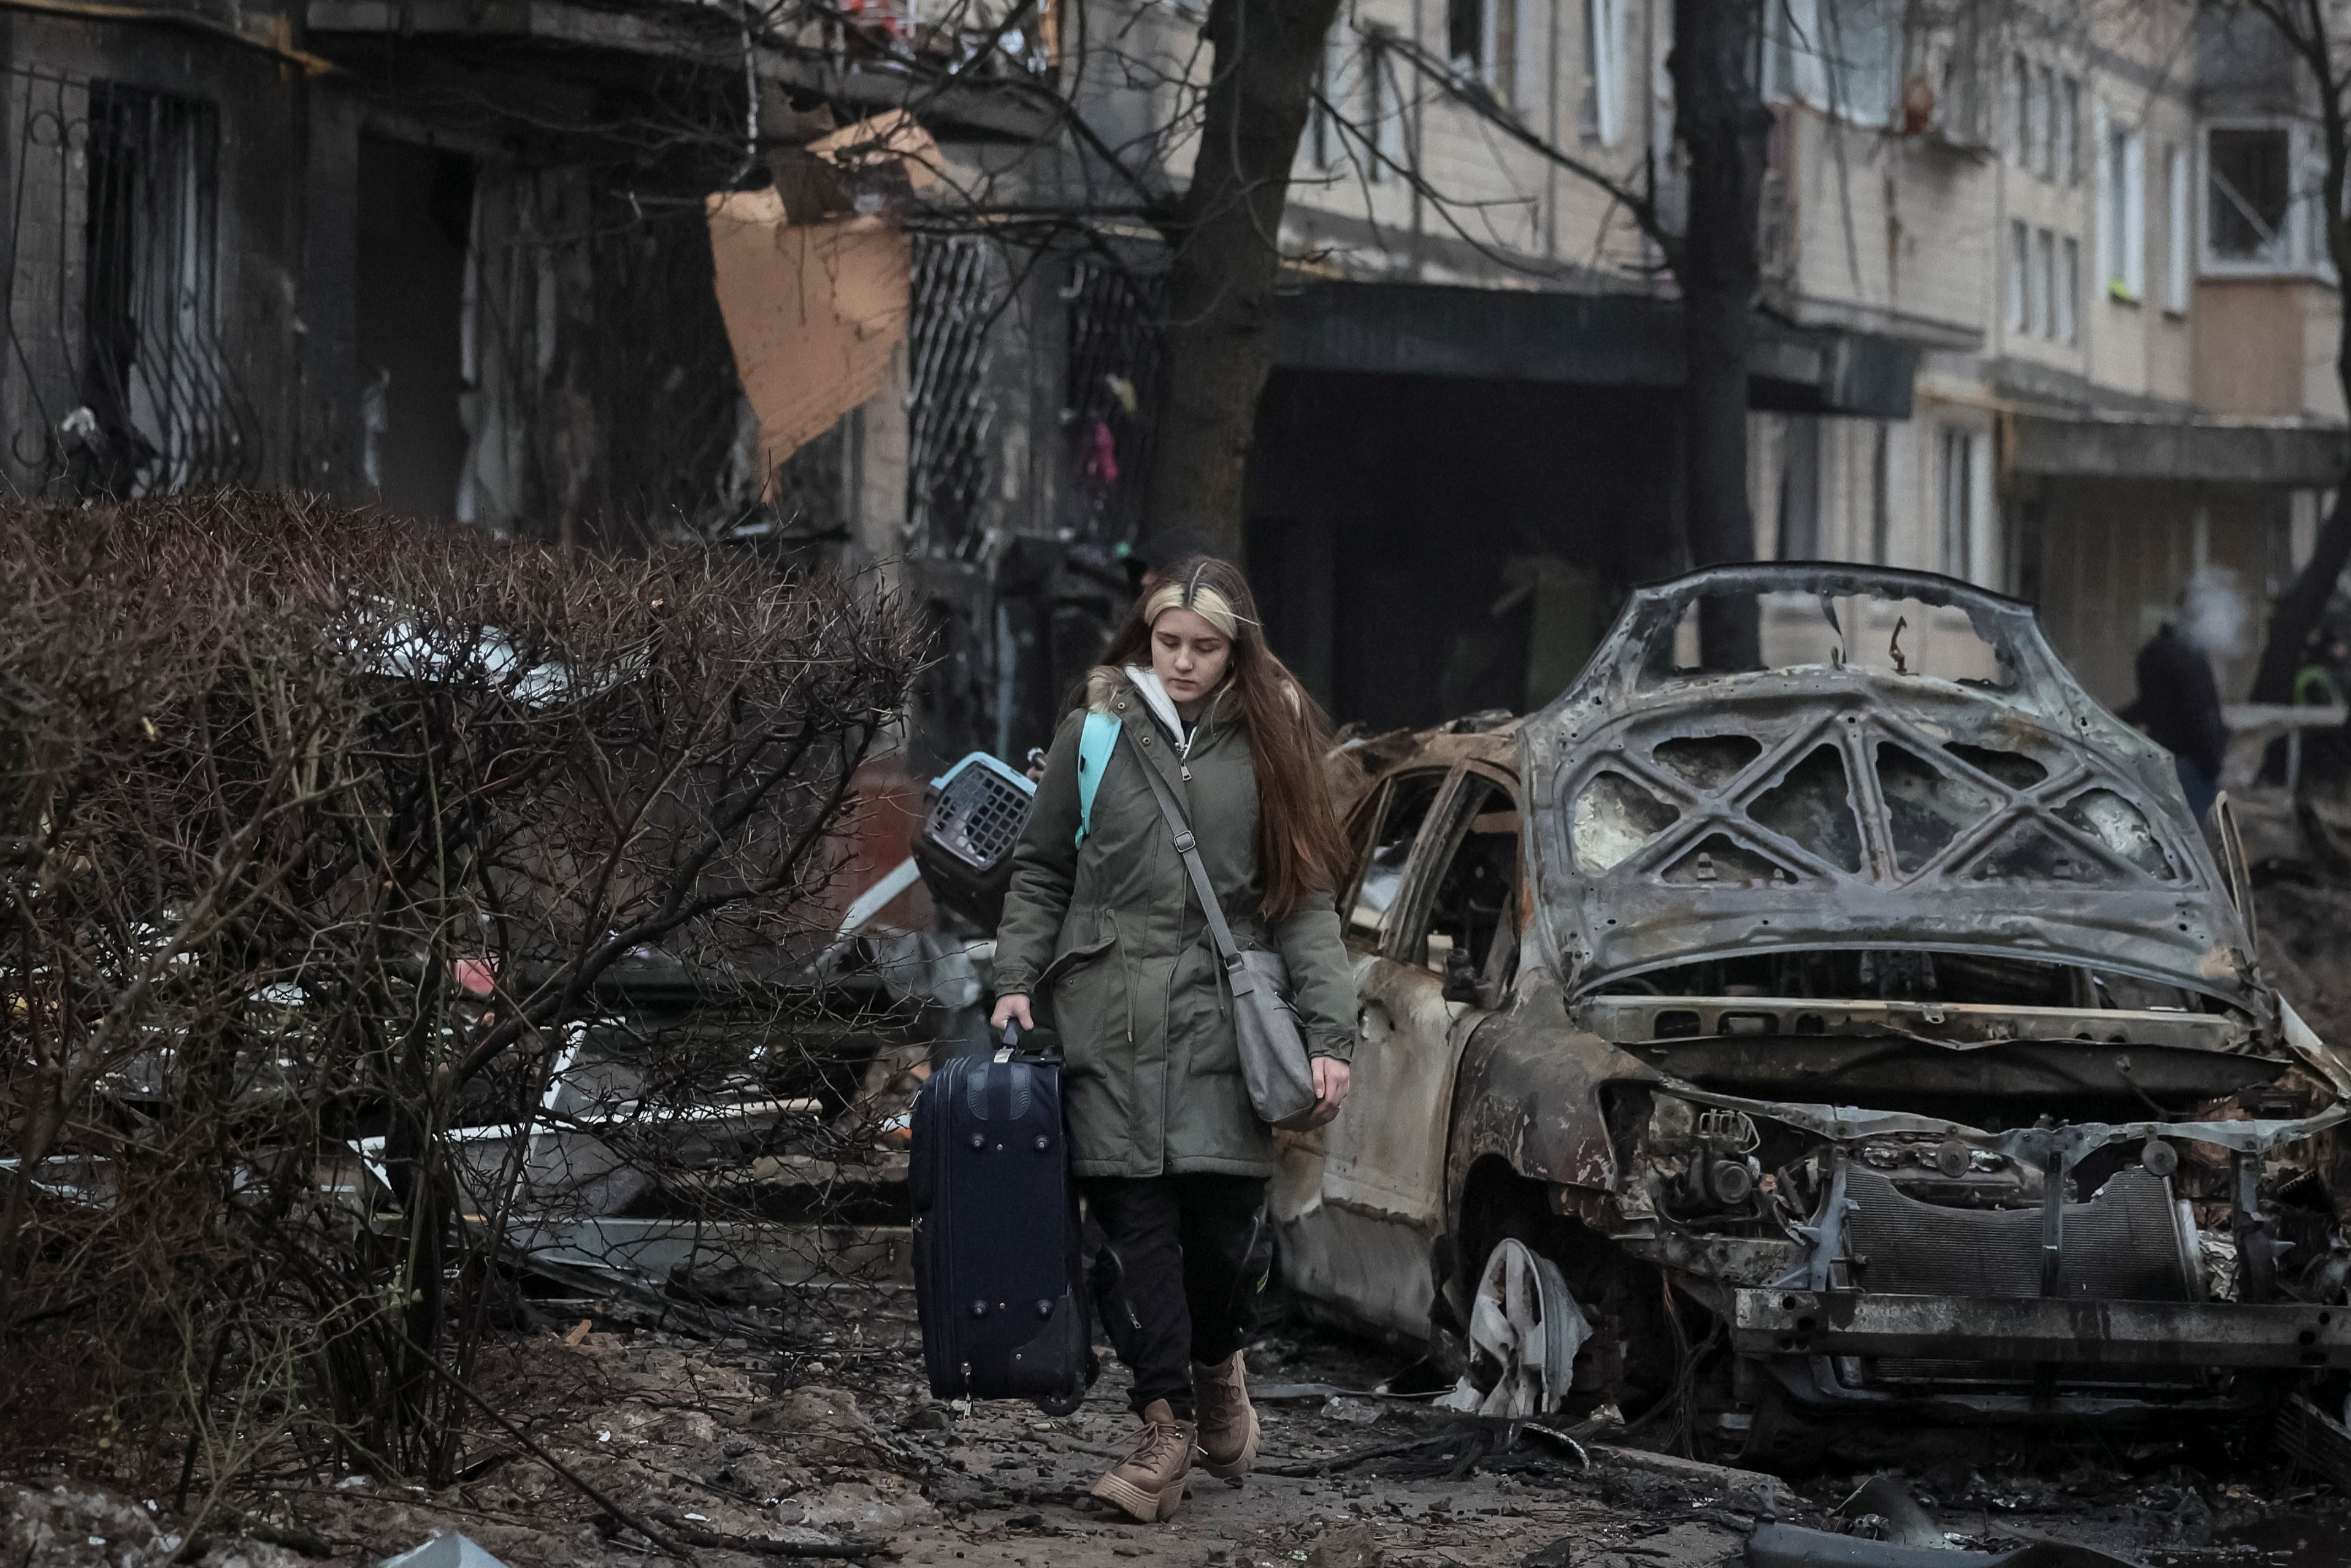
2178	699
2319	684
1101	923
1148	560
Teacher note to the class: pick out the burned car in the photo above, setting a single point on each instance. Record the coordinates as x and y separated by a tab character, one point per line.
1859	1023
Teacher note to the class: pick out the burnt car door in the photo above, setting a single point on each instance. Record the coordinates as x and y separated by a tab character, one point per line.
1331	1251
1444	950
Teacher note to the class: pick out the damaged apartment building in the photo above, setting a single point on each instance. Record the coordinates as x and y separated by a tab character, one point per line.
2046	307
458	260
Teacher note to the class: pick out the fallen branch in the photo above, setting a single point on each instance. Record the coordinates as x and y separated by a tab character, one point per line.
767	1546
1348	1460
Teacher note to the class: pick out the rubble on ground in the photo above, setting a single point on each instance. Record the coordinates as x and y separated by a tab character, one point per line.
828	1442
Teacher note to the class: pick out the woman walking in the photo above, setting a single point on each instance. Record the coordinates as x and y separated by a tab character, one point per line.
1102	931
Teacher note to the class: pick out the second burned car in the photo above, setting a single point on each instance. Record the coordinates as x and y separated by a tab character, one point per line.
1854	1023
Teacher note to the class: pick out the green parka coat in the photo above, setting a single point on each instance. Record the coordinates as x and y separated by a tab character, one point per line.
1109	942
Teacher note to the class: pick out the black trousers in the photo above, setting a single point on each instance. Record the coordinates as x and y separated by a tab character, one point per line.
1180	1274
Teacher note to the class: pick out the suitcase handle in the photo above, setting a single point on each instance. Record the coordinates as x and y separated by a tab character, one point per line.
1046	1045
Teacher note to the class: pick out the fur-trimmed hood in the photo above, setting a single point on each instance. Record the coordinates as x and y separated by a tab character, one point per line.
1103	684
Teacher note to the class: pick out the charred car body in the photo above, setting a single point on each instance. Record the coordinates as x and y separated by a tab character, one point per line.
1879	994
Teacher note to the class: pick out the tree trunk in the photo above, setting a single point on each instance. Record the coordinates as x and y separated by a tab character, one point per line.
2296	617
1720	121
2299	609
1221	287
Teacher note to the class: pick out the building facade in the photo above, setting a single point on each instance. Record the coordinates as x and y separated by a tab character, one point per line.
2046	307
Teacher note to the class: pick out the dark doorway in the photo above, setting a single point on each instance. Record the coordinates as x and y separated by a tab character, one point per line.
416	210
1427	546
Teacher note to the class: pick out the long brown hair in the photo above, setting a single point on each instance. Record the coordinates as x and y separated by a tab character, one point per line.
1300	849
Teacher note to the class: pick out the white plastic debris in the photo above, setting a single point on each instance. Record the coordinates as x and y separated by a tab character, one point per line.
444	1552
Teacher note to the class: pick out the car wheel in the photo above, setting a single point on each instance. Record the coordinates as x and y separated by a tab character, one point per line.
1524	1334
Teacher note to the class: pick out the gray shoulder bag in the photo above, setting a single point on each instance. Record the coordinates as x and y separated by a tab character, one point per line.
1272	1050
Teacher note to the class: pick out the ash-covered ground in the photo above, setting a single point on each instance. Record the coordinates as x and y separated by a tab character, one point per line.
741	1453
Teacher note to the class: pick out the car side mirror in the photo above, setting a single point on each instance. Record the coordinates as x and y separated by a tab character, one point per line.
1462	979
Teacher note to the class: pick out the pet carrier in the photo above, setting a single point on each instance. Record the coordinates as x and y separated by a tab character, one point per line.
978	808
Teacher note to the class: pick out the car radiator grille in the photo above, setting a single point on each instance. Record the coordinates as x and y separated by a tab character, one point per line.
2121	1245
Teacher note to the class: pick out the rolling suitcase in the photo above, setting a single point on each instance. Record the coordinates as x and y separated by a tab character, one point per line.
998	1271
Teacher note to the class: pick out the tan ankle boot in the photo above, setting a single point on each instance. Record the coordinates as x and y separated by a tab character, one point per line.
1228	1419
1149	1482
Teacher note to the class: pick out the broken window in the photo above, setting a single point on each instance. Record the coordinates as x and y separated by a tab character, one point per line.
1842	623
1926	808
1612	818
1813	806
1396	819
1479	888
1843	57
1797	630
2248	194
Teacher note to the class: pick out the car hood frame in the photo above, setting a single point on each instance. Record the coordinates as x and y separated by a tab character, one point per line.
2095	861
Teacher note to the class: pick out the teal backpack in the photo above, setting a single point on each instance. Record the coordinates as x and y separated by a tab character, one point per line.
1094	745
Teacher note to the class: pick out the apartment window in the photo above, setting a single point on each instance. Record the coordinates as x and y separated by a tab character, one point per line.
2179	219
1386	105
1326	139
2263	211
1530	56
1800	488
155	394
2044	282
2040	114
1957	508
1604	70
2122	226
1843	57
2069	289
2019	103
2249	178
1465	36
1881	496
2068	155
2020	269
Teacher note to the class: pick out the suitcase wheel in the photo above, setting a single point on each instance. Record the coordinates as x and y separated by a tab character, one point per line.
1063	1403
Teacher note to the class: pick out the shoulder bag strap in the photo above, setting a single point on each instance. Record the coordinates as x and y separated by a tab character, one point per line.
1189	848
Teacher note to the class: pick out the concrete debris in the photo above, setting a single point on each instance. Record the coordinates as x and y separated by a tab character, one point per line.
822	1446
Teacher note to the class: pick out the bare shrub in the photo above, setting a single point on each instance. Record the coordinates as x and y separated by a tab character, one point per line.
322	837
